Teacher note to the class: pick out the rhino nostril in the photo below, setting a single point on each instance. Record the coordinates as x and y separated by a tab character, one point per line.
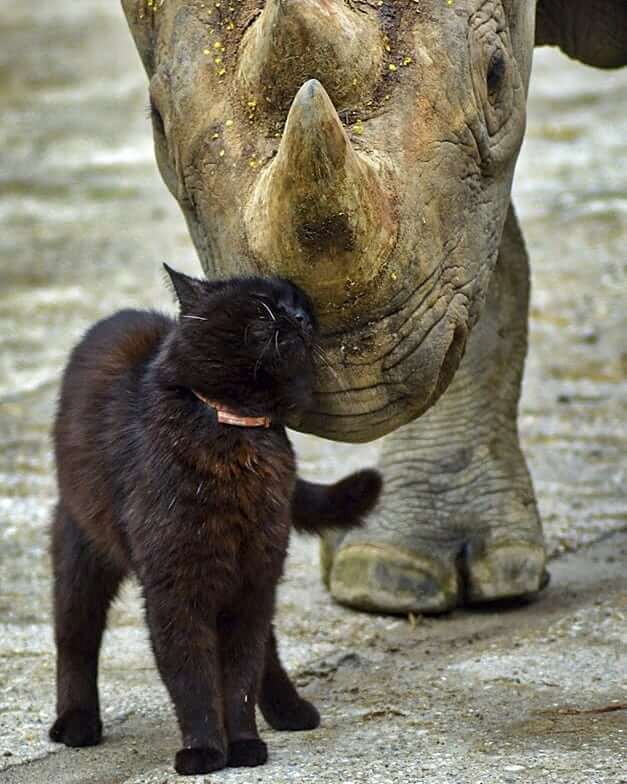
452	358
455	350
460	334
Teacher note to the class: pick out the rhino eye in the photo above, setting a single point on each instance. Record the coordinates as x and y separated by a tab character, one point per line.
496	74
155	116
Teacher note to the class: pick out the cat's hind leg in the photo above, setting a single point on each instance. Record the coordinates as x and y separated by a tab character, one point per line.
84	587
281	705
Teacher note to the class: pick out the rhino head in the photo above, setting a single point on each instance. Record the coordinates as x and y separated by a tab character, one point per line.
363	149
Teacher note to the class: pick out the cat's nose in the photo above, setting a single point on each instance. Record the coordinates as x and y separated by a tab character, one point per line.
299	315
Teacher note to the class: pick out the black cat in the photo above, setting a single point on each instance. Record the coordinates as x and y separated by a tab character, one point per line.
173	463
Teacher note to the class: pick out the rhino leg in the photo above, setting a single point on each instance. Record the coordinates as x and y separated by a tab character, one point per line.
457	522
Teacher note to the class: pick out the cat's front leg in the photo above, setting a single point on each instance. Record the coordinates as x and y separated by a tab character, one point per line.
243	634
184	640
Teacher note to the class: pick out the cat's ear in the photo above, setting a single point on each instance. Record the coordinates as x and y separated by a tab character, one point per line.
188	290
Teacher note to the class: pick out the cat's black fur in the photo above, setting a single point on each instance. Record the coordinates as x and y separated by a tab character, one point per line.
151	483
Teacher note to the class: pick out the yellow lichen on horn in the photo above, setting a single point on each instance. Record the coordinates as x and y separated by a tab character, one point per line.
294	40
321	212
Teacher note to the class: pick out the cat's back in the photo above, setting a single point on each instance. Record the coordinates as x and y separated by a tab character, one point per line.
110	351
99	397
119	342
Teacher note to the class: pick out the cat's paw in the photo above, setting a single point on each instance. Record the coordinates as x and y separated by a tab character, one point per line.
295	716
77	728
247	753
192	762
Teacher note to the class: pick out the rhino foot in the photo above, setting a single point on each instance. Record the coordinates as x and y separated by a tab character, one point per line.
457	524
386	578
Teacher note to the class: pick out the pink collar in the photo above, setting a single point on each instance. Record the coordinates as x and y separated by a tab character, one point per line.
226	415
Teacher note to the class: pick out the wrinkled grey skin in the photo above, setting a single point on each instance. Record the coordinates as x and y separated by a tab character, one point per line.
379	178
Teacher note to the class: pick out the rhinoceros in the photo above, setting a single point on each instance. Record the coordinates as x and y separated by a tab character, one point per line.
365	149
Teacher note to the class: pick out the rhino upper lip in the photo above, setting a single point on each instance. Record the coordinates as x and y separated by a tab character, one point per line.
437	380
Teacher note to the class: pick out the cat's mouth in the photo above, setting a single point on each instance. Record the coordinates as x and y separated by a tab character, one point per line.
290	352
293	340
289	355
284	342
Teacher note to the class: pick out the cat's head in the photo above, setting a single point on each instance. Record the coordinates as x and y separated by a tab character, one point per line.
246	342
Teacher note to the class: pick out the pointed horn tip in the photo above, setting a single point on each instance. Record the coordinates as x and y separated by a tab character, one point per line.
311	90
311	87
313	100
313	120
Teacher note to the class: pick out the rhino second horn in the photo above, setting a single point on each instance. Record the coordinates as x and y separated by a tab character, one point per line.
294	40
320	213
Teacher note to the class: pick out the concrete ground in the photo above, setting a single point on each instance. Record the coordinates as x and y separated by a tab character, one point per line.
522	693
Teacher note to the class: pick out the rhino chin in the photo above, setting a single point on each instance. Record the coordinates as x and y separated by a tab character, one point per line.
356	414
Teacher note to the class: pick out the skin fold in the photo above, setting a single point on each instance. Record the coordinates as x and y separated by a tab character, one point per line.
378	178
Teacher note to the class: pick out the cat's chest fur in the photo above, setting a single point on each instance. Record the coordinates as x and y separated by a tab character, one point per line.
227	515
249	490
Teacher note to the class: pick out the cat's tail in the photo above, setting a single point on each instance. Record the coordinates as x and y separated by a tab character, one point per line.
316	508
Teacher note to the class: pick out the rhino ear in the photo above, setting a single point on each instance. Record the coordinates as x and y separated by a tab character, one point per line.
189	291
140	16
593	33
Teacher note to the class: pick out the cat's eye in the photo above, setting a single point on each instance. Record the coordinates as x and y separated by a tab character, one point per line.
155	116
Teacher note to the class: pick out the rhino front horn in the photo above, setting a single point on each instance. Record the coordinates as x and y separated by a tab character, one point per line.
321	213
293	40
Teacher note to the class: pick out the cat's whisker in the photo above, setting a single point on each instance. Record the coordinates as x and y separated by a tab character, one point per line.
276	343
322	356
263	351
263	305
320	352
197	318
